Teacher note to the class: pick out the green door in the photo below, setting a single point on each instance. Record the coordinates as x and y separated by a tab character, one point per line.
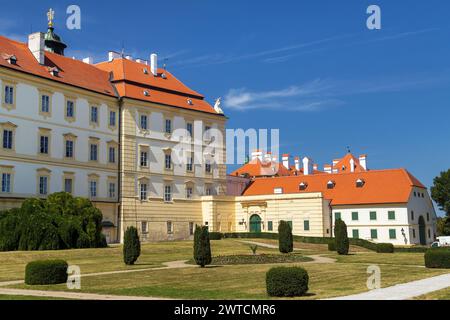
255	223
422	235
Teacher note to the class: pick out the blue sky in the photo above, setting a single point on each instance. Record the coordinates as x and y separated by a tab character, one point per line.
310	68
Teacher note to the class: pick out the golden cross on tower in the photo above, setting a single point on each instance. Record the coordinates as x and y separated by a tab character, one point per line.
50	17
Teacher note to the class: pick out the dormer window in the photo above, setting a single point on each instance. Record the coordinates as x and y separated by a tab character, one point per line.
344	168
189	101
278	191
12	60
145	71
331	184
163	76
146	93
303	186
54	71
360	183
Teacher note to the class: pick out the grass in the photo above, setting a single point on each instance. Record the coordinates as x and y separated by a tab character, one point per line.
437	295
13	297
347	276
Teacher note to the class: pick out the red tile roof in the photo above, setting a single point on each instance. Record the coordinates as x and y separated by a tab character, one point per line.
71	72
257	168
380	186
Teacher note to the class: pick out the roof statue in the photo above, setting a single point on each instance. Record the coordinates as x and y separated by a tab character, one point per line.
217	106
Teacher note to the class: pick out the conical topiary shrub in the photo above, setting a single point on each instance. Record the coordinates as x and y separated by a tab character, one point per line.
131	246
341	237
286	241
202	247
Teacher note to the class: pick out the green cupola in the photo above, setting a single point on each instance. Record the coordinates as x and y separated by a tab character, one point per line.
53	42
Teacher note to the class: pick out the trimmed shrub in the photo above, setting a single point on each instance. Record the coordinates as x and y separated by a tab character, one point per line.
215	236
45	272
342	242
385	248
437	258
83	241
202	246
131	246
286	241
331	246
287	282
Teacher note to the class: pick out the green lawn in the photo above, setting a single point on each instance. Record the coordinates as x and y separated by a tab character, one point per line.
438	295
347	276
11	297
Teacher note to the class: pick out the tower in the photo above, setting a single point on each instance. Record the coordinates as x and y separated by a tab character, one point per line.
53	42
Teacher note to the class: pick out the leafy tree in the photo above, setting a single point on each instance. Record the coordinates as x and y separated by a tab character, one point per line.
443	226
202	247
286	241
440	191
341	237
131	246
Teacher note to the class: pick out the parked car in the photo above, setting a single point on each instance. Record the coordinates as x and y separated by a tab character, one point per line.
442	242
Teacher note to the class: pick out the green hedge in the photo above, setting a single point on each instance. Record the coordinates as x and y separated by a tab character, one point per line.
287	282
215	236
411	249
331	246
437	258
385	248
45	272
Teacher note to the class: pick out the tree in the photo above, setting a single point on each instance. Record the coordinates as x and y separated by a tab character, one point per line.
440	191
202	247
131	246
286	241
341	236
443	226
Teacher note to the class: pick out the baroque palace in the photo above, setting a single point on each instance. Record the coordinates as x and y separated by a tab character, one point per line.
112	132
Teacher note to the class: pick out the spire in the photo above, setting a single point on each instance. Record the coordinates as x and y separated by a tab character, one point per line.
53	42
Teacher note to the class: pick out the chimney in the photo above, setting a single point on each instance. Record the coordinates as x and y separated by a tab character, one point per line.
257	154
363	161
154	64
88	60
286	160
129	57
297	163
36	44
307	166
315	167
327	168
113	55
352	165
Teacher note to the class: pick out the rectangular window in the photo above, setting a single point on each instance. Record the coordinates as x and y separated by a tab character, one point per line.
374	234
43	148
112	118
93	153
208	167
167	193
112	155
168	161
7	139
189	129
144	226
428	216
6	183
70	109
94	114
93	189
392	234
112	190
412	215
306	225
337	216
144	159
208	191
143	194
355	216
69	149
45	104
189	192
270	226
68	185
168	128
373	215
355	234
391	215
144	124
169	227
191	228
43	185
190	161
9	95
414	233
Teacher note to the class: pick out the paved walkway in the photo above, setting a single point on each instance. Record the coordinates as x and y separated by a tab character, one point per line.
403	291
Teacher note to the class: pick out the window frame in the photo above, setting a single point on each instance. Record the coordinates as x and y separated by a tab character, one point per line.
168	196
391	215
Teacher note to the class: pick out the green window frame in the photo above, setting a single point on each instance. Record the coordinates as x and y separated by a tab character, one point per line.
373	215
337	216
355	234
270	225
374	234
392	234
391	215
355	216
306	226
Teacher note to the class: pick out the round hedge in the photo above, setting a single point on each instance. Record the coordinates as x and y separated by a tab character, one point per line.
385	248
45	272
287	282
437	258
